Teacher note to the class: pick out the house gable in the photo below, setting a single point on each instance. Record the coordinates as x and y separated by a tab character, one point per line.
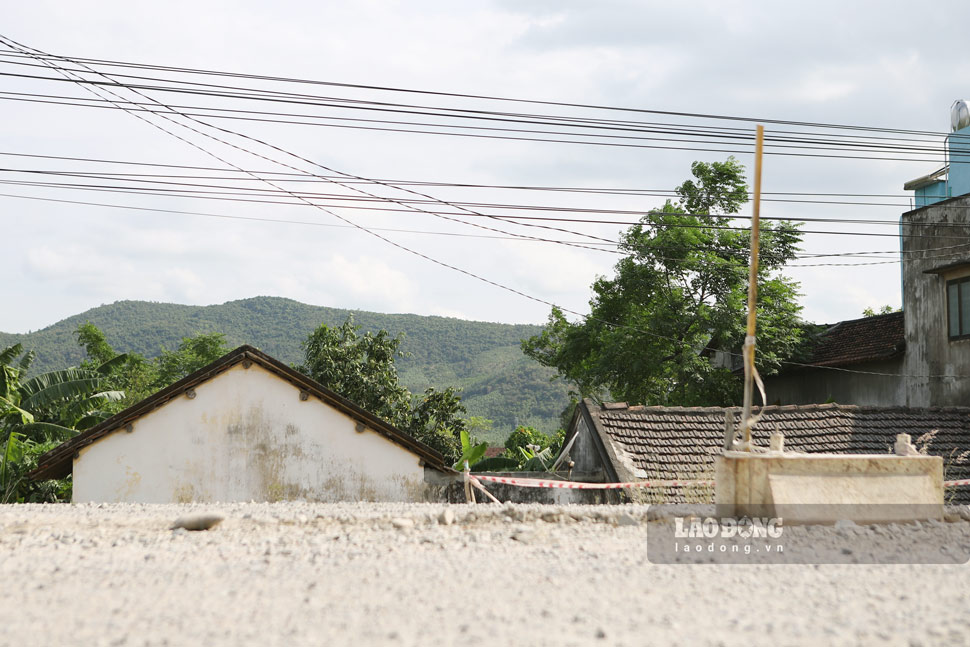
245	427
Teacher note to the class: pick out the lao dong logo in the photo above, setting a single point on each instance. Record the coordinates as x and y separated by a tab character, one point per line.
728	527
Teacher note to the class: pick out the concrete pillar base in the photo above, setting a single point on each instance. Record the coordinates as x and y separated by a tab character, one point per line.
824	488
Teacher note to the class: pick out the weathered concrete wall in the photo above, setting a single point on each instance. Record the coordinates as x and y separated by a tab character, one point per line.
551	496
814	488
247	435
934	236
818	386
588	465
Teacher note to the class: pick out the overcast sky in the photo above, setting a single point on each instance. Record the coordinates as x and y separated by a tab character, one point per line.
876	64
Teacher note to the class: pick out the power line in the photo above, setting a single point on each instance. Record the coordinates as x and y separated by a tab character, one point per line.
273	220
782	142
186	70
589	142
307	200
438	262
309	177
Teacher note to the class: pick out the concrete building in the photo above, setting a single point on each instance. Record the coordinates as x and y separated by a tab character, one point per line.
616	442
928	344
246	427
872	348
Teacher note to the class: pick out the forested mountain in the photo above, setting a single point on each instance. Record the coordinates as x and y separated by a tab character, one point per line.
485	359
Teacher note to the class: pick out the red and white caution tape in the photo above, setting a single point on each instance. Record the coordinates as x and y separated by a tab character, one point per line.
575	485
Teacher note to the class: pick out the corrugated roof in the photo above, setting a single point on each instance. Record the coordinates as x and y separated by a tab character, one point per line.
681	442
860	340
58	462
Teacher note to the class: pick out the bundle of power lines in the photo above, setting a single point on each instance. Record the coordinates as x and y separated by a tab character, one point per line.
199	106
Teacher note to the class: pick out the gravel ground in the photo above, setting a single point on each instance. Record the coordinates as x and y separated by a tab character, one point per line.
399	574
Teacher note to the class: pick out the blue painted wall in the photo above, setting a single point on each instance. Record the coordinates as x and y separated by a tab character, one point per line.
930	193
958	176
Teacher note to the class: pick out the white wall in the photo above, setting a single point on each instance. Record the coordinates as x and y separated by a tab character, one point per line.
246	436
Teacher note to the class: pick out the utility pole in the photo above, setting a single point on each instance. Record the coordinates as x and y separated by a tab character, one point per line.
749	341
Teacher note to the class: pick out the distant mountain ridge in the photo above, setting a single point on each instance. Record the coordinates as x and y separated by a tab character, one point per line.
483	358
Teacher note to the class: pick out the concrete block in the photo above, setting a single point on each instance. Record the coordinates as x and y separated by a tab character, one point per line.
823	488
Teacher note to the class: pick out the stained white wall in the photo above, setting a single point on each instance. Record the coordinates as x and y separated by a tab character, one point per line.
246	436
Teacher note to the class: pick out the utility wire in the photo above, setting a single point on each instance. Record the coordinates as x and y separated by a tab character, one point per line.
13	44
257	115
590	142
186	70
300	200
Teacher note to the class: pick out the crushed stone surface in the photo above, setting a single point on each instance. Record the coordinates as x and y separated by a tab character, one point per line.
434	574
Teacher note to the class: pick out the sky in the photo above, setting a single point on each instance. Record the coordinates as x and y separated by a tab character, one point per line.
873	64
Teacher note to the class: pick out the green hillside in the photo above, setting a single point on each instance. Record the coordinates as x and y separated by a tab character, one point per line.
499	382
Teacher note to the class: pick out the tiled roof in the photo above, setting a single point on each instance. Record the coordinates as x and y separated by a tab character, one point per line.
860	340
679	442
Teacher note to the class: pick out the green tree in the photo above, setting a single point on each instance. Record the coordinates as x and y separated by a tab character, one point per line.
193	353
362	369
478	426
135	376
677	296
36	413
885	310
359	367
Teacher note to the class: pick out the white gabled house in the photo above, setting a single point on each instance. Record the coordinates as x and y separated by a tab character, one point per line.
246	427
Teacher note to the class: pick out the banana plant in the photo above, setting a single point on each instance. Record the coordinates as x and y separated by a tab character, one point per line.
54	405
10	473
535	460
469	453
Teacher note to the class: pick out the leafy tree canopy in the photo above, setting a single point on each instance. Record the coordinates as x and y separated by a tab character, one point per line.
677	295
885	310
362	369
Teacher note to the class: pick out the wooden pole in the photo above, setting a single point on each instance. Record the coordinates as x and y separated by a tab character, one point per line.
749	341
469	491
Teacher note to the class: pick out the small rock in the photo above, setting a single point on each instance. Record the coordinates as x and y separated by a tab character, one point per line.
626	520
600	634
523	536
402	523
447	517
845	524
203	521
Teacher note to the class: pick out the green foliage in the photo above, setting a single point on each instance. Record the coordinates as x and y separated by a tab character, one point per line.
362	369
18	456
534	460
531	450
437	420
677	296
523	437
483	359
496	464
478	425
37	413
193	353
11	459
885	310
137	377
471	453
